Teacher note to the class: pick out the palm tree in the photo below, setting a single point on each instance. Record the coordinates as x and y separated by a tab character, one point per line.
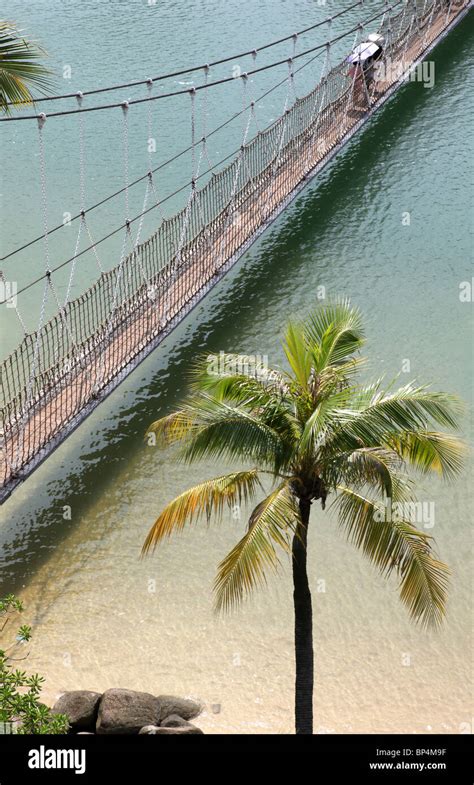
19	68
317	434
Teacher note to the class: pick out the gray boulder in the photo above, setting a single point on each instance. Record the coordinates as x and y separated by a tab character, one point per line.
154	730
80	706
126	711
173	721
186	709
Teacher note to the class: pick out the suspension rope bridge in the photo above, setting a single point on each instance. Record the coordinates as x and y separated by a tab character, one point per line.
60	372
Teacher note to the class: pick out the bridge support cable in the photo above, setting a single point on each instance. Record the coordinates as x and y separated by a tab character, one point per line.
317	106
121	282
82	192
201	208
279	141
230	208
83	220
151	172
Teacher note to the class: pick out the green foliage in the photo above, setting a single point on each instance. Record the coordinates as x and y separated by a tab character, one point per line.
19	68
318	434
20	705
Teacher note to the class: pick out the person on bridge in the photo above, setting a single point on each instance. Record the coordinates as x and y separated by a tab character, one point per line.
362	61
356	74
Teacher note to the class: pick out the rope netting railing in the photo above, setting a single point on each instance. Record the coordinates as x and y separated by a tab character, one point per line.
72	358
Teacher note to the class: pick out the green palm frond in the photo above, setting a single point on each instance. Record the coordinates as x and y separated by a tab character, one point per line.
431	451
208	498
266	394
226	432
298	354
321	353
237	376
335	333
389	416
418	402
172	428
319	423
396	545
370	465
373	470
244	568
20	70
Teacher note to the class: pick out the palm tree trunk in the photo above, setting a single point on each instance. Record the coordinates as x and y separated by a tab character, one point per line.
303	626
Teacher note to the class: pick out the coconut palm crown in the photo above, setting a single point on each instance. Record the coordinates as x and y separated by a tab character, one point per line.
319	436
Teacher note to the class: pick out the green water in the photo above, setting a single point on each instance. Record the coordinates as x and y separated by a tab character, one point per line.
102	617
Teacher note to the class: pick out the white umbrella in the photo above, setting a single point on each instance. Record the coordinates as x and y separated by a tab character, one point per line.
362	52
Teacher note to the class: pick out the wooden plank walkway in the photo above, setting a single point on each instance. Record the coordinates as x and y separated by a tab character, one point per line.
227	238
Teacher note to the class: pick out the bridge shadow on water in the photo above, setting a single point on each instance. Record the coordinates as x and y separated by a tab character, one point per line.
103	446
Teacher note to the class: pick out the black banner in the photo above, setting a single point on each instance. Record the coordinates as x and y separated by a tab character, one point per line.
359	758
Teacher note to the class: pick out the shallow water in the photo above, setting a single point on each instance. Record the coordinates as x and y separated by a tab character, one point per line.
102	617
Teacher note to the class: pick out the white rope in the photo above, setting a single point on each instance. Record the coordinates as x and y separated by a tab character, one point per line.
295	41
448	12
205	154
316	114
110	320
230	208
135	244
176	263
151	177
142	215
92	242
77	351
32	374
205	112
82	190
125	106
41	122
157	198
149	125
83	224
233	191
252	93
268	206
408	34
192	194
82	176
193	133
73	265
245	80
389	45
428	27
204	133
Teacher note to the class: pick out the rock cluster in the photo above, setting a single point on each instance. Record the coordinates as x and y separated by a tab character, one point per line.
127	711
